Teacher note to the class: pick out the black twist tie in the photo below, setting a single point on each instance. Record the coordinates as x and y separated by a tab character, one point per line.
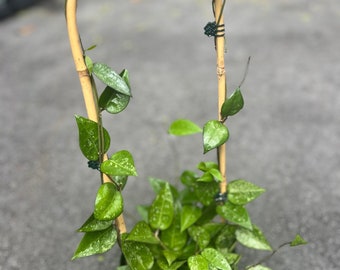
220	198
94	164
214	30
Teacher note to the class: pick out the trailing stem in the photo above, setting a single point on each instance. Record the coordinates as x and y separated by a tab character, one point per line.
88	89
218	6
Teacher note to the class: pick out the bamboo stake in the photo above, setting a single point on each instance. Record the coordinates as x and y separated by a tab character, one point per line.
85	81
222	88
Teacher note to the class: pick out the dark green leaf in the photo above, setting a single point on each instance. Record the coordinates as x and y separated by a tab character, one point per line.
158	184
252	238
119	164
113	101
241	192
205	192
199	235
96	242
214	135
235	213
111	78
198	262
215	259
141	232
88	138
120	180
189	215
173	238
298	240
143	211
182	127
109	202
188	178
207	166
233	104
138	255
226	238
162	209
92	224
91	48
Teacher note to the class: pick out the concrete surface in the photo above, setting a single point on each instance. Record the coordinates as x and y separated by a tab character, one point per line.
286	139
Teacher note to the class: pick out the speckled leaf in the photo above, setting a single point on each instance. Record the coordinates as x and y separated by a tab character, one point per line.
252	238
119	164
241	192
215	259
198	262
138	255
214	135
235	213
89	63
92	224
189	215
96	242
173	238
183	127
111	78
206	192
109	202
141	232
88	138
162	209
233	104
199	235
113	101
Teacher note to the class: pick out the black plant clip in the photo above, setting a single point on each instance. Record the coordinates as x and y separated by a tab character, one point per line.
94	164
220	198
215	29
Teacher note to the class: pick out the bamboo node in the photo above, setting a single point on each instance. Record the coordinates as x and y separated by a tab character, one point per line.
83	73
220	71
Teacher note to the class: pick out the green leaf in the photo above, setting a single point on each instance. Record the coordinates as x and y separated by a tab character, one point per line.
233	104
259	267
167	263
141	232
113	101
91	47
199	235
235	213
96	242
298	240
120	164
215	259
214	135
188	178
252	238
187	196
89	63
111	78
226	238
206	192
138	255
157	184
198	262
189	215
241	192
88	138
207	166
183	127
109	202
162	209
173	238
92	224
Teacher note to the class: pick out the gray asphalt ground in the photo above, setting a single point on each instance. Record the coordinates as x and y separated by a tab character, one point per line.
286	139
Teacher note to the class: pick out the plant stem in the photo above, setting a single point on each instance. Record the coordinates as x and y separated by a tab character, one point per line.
222	87
90	98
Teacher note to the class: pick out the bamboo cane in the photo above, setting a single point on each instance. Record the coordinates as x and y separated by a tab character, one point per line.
222	87
91	103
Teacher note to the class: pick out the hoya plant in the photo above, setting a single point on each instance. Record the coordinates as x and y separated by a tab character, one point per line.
196	226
